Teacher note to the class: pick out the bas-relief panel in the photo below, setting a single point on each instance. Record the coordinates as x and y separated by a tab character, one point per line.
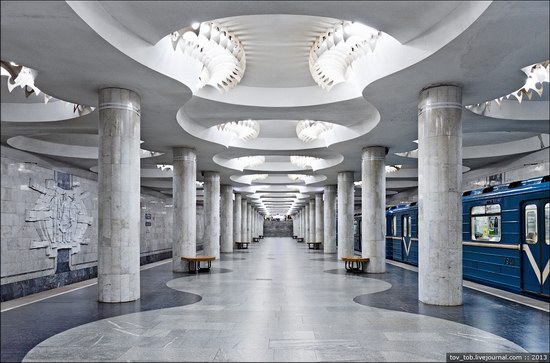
44	211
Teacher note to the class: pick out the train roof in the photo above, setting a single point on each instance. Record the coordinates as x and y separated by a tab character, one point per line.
533	184
516	187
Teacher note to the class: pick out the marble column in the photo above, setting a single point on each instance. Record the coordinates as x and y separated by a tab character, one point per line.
237	218
119	196
373	208
254	222
226	219
249	224
439	195
185	207
306	220
244	222
345	213
212	214
329	225
312	220
319	217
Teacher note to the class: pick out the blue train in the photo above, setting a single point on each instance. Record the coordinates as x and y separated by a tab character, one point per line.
505	233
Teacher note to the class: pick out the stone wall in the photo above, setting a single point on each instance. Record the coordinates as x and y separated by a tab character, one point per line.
277	228
49	224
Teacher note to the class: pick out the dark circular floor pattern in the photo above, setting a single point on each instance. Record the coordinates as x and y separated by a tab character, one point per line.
25	333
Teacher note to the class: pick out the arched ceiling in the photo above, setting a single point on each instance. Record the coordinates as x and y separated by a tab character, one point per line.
78	48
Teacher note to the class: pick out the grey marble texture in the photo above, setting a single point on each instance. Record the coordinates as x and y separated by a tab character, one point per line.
373	208
440	195
226	219
278	306
212	213
329	225
185	206
345	213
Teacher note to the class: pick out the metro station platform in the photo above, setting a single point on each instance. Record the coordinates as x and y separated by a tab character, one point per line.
277	301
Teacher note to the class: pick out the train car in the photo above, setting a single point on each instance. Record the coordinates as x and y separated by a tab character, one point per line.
506	236
402	237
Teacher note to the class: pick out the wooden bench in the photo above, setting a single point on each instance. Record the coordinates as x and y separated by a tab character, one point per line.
314	245
354	263
255	239
261	236
294	237
242	245
194	263
300	239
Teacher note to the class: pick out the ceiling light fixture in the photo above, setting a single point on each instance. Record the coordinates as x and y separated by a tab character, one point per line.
220	52
245	130
301	177
247	162
305	162
332	55
165	167
537	74
21	76
392	168
309	130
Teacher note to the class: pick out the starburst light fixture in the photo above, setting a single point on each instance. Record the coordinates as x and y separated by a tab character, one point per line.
392	168
537	74
245	130
246	162
219	51
309	130
305	162
301	177
165	167
332	55
21	76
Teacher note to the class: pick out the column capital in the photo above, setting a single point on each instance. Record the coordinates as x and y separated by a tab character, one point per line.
374	153
346	176
184	153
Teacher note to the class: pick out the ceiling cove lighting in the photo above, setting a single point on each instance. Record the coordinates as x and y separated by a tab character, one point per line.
305	162
219	51
309	130
332	55
537	74
245	130
247	162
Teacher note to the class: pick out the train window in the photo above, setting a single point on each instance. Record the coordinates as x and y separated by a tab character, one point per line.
409	223
405	226
486	223
394	226
547	223
531	232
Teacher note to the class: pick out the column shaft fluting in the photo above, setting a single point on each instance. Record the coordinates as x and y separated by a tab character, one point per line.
329	225
439	195
119	195
185	206
319	218
345	213
226	219
237	216
373	208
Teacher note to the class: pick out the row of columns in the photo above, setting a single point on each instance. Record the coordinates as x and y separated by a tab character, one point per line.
439	200
439	193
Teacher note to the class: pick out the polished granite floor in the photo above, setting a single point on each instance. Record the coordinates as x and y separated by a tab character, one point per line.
277	301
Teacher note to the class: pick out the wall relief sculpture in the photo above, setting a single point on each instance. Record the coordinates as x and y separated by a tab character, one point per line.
60	217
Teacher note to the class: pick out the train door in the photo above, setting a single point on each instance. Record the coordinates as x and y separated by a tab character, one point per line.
536	247
406	229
